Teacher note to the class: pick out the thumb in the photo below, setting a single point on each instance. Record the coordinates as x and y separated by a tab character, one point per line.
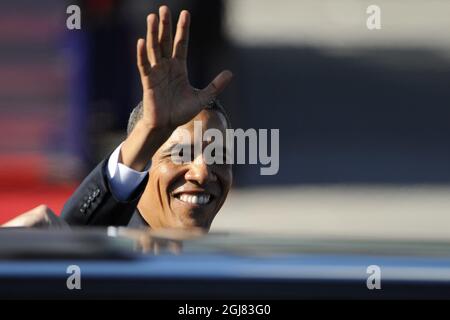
215	87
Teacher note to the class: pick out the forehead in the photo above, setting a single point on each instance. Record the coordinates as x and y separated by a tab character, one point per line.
209	119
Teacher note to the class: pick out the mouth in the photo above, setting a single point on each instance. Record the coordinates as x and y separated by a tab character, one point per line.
194	198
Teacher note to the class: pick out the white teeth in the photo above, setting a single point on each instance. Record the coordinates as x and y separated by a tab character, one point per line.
200	199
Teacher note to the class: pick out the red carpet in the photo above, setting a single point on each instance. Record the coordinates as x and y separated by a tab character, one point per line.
17	200
24	185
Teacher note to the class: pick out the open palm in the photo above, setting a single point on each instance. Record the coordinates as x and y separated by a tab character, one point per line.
168	98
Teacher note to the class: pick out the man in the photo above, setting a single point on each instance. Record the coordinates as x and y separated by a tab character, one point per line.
170	194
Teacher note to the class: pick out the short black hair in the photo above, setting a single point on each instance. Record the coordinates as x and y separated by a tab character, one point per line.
137	113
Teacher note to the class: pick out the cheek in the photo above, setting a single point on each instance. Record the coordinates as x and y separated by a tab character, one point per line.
163	170
226	176
165	173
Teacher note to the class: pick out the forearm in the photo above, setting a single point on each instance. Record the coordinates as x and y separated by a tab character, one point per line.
141	144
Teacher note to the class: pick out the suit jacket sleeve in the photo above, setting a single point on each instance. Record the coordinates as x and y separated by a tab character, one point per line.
94	204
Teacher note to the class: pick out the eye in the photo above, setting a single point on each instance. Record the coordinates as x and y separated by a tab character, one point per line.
224	154
185	155
221	154
192	155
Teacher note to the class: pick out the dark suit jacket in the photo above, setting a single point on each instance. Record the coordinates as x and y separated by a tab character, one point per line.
93	203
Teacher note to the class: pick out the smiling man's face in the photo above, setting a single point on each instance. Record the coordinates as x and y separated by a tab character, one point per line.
188	194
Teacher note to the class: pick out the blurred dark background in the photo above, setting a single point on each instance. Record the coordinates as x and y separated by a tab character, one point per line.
353	106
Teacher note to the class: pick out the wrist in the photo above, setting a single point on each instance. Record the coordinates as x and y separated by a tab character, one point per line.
150	130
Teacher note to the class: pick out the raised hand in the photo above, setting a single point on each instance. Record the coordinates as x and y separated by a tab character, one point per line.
168	98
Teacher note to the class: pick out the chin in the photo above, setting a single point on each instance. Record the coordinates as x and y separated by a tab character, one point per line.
192	223
193	216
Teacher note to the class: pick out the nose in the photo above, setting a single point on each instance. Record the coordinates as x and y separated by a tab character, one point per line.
200	172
